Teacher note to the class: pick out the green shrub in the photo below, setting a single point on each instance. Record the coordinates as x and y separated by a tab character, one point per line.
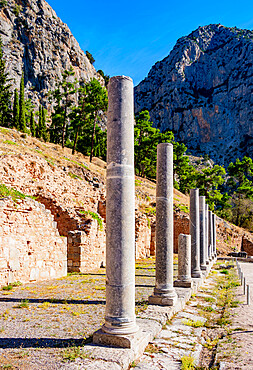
95	216
3	3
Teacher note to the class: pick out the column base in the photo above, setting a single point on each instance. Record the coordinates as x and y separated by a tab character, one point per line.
196	274
203	267
183	284
162	300
120	340
127	328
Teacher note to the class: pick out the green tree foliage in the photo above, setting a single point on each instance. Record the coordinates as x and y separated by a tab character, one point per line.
62	96
32	124
22	121
3	4
184	173
146	139
97	103
90	57
105	77
241	187
86	135
5	93
15	122
41	128
80	115
29	107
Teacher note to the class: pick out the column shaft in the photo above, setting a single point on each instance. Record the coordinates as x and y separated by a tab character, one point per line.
184	262
207	235
120	210
214	235
202	230
210	233
194	232
164	292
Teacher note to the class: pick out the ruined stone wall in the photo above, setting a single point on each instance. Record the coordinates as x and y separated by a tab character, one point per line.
181	226
31	248
247	244
86	249
142	236
229	236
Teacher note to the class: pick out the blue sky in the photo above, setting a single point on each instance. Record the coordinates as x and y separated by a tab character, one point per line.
128	37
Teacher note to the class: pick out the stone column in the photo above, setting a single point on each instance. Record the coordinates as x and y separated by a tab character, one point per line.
164	292
194	232
120	210
207	235
184	262
210	233
214	235
202	230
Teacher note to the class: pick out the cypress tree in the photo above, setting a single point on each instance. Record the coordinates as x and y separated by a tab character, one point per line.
32	124
5	93
16	110
39	125
44	132
22	124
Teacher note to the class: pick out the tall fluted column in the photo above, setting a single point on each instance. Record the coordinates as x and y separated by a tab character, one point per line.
194	232
164	292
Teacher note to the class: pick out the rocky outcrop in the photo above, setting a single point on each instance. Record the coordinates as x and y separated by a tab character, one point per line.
202	91
37	42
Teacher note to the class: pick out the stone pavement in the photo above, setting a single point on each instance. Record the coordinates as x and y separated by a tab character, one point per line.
170	335
241	357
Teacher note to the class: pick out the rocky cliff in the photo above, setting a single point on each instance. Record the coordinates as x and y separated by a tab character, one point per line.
37	42
202	91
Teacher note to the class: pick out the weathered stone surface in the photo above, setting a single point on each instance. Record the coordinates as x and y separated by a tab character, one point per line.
184	262
194	232
31	248
38	42
247	245
164	293
202	91
120	210
202	229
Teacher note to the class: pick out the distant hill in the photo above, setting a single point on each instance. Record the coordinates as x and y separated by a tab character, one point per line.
37	41
202	91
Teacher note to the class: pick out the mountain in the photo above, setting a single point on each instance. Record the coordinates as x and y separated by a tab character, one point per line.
37	42
202	91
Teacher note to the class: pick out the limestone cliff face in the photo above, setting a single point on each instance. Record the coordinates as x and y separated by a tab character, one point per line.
37	41
202	91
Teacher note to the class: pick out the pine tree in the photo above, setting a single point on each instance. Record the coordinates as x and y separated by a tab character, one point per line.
16	110
5	93
32	124
22	123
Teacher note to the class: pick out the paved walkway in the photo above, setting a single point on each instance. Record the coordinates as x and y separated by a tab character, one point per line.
241	345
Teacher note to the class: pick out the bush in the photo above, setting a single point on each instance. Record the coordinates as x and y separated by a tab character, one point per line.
3	3
16	10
